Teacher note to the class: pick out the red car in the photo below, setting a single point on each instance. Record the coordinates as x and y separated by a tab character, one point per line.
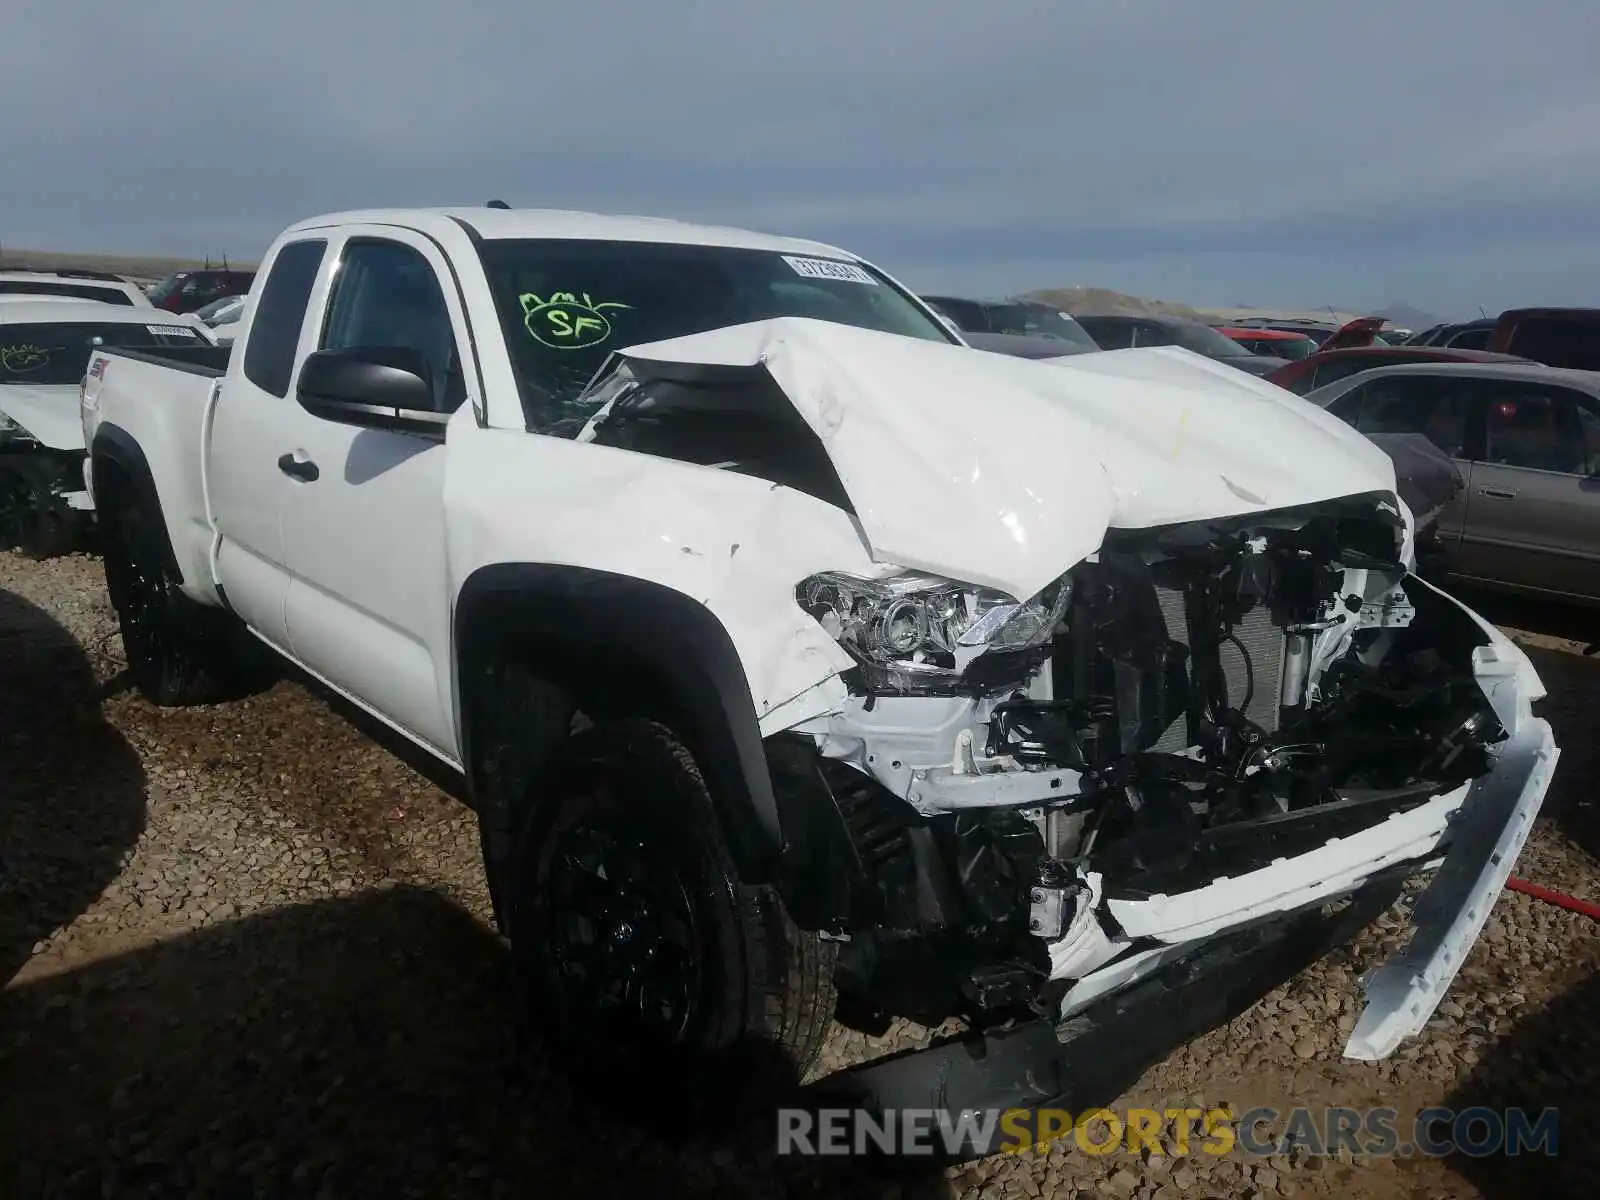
1274	343
1327	365
186	291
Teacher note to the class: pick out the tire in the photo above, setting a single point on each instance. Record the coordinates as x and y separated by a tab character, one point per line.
742	998
179	652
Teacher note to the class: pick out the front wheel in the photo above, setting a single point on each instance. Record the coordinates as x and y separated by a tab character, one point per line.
640	960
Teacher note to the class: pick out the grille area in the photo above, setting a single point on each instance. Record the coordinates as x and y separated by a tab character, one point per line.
1255	671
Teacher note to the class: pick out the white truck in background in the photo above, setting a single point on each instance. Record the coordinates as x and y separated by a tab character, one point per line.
45	343
799	659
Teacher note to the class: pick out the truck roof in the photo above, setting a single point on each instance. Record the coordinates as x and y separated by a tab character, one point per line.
495	224
28	310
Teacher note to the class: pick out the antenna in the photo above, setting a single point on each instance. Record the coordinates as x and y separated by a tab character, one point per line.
1481	313
498	204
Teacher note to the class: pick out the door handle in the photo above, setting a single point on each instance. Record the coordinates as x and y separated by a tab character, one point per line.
296	467
1495	493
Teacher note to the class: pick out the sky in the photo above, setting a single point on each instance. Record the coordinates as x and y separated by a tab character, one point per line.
1445	153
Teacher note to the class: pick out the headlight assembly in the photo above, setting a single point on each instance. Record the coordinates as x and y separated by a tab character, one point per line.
914	633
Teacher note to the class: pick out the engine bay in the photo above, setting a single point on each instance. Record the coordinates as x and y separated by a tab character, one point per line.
1216	697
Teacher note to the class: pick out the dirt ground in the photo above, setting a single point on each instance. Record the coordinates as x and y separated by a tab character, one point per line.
245	952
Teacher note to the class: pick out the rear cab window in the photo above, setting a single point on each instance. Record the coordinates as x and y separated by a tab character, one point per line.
280	312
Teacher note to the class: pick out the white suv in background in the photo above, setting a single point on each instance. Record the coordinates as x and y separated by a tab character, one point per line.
73	285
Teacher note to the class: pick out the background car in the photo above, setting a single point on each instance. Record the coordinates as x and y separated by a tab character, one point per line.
45	344
1020	346
1274	343
1115	331
1557	337
187	291
1526	439
74	285
1018	318
1327	366
1317	331
1464	335
222	317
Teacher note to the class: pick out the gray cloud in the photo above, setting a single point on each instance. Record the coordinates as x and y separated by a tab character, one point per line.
1351	153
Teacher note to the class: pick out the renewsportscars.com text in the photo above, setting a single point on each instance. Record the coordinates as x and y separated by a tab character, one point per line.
1175	1132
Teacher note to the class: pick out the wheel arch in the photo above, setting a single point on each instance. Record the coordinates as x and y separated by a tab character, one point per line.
122	476
615	646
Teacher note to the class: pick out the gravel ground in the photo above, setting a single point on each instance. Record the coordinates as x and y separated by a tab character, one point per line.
246	952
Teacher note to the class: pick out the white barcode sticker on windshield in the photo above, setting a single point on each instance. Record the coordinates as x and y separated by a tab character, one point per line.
827	268
172	331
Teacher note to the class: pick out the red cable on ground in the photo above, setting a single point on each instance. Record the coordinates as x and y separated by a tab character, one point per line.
1559	899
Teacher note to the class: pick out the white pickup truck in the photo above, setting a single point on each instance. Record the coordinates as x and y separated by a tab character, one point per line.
799	659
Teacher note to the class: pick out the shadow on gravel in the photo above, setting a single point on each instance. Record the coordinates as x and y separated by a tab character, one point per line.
1546	1061
72	792
353	1047
1572	680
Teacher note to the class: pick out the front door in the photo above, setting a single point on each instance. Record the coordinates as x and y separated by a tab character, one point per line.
369	604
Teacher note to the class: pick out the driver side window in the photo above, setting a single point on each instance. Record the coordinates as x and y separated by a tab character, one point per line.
386	294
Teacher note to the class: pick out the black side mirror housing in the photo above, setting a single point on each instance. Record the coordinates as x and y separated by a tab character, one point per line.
376	387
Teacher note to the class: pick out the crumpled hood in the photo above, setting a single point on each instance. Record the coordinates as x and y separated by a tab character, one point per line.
1006	472
48	411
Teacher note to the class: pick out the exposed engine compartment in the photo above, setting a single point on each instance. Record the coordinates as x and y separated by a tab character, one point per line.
1217	697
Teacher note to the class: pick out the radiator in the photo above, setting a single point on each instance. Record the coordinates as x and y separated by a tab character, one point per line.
1255	672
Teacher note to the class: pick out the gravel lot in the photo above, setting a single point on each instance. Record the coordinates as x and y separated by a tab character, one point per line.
246	952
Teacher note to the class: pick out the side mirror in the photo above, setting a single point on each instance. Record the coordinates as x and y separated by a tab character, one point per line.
377	387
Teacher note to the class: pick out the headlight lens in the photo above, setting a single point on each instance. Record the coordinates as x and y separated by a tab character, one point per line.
914	633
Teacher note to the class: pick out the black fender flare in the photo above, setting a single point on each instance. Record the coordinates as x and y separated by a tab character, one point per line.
618	643
115	445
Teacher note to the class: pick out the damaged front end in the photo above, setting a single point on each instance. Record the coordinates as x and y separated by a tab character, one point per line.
1202	729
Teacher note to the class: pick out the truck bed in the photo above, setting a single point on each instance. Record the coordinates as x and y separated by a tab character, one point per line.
160	402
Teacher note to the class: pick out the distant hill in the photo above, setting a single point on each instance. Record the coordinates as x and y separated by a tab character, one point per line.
1407	316
134	267
1104	300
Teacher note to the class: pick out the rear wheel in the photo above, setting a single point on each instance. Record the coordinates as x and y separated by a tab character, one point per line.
179	652
640	960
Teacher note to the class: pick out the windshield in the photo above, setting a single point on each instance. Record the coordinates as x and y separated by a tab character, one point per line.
58	352
1289	347
1038	320
1203	339
566	304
